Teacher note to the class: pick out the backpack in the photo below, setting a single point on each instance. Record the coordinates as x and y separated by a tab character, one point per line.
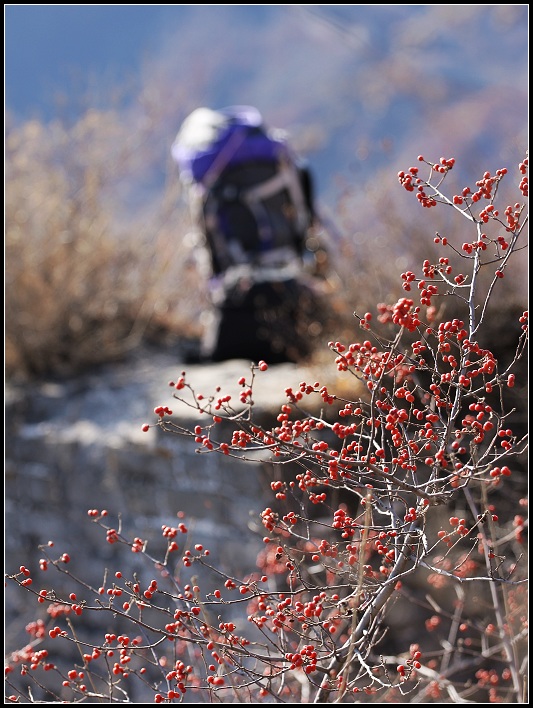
255	199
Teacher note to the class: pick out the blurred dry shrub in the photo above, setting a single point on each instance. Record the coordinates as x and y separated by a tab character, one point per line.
98	260
85	283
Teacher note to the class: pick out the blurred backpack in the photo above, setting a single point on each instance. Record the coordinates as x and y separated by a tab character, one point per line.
254	200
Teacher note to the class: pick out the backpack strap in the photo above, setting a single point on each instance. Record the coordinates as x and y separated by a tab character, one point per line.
220	162
286	178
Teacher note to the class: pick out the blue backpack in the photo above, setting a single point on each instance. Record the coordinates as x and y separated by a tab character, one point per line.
255	199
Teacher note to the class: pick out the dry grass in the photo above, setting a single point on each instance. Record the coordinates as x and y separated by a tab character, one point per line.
96	265
84	286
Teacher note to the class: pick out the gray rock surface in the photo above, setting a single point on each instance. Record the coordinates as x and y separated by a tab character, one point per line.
77	445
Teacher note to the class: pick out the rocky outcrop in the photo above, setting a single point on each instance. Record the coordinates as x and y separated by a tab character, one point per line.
77	445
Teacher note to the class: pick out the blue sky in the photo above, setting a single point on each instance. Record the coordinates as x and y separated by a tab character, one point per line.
369	83
51	47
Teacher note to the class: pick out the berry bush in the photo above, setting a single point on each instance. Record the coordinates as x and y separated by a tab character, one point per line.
394	564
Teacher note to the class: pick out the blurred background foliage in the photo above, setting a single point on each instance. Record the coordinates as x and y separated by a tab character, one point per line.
82	286
100	255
